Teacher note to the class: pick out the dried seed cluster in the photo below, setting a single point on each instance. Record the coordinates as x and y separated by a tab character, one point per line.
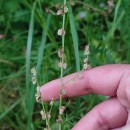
61	32
61	110
34	74
61	64
34	81
45	115
86	60
110	6
63	10
61	56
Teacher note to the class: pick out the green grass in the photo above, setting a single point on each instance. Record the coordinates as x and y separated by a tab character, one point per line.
31	40
30	88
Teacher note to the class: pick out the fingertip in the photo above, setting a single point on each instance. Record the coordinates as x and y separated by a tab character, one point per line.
49	91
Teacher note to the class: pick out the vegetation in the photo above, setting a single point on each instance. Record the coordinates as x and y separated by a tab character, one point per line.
28	37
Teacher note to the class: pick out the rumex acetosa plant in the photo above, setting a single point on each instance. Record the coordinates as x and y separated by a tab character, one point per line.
62	64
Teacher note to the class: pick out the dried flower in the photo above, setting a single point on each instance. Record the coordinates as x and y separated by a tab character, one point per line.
52	101
64	65
60	53
57	6
38	97
43	114
48	115
86	52
59	12
89	66
33	71
63	10
34	80
72	2
110	3
47	10
85	66
61	110
61	32
63	91
86	60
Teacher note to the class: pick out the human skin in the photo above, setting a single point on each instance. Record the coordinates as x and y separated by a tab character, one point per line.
108	80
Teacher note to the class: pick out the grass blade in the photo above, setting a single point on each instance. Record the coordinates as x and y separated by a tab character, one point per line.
29	89
74	37
10	109
42	46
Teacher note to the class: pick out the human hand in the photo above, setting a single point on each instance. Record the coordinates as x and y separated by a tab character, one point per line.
109	80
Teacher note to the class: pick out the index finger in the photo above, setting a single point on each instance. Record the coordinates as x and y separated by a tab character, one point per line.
102	80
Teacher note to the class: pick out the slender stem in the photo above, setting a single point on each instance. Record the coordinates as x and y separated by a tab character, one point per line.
47	121
61	76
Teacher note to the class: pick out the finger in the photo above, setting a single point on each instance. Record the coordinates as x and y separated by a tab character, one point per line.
101	80
105	116
126	127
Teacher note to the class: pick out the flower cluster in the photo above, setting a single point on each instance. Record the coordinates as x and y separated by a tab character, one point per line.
34	81
86	60
38	95
34	74
110	6
61	55
63	10
61	110
110	3
61	32
45	115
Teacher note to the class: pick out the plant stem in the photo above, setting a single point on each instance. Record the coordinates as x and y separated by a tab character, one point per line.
47	121
61	76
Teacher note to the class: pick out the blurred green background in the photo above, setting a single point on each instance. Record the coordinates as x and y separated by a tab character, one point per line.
28	37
